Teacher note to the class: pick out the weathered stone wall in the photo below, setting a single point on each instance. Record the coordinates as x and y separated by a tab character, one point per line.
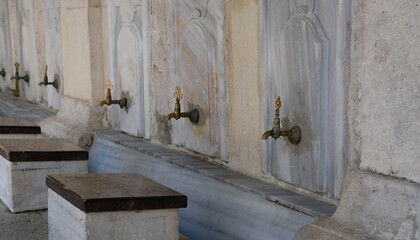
389	97
243	76
380	197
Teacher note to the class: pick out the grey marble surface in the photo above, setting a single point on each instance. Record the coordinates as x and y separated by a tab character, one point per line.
11	106
304	60
222	204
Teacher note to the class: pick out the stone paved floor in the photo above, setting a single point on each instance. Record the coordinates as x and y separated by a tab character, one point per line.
23	226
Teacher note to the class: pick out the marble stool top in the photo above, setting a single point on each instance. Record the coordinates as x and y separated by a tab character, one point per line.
104	192
28	150
18	126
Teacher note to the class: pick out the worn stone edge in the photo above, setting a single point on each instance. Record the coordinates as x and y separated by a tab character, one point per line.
308	209
115	204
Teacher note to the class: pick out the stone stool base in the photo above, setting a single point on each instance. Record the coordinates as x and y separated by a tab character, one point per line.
22	184
112	206
24	164
65	221
15	128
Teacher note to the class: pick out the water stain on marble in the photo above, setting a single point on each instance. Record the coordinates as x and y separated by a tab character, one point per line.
57	77
163	129
202	118
307	138
129	100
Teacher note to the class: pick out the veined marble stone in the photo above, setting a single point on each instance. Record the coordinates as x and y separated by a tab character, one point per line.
24	164
198	68
129	64
28	50
304	60
54	50
5	45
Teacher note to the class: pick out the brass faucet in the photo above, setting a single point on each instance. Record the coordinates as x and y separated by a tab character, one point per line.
3	73
193	115
293	134
17	77
108	101
45	82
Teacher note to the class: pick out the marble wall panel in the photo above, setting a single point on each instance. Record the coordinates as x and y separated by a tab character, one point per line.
126	61
304	62
198	68
29	51
5	46
53	50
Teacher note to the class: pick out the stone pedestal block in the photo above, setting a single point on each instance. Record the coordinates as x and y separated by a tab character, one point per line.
24	164
112	206
16	128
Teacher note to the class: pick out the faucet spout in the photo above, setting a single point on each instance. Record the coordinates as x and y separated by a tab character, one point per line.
170	116
267	134
104	102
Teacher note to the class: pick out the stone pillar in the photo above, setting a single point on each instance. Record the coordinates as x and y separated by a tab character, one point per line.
85	62
381	199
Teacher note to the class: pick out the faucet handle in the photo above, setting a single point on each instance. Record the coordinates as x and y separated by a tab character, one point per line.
109	85
178	94
17	65
278	106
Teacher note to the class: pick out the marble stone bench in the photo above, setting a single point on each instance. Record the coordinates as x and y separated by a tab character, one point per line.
112	206
16	128
24	164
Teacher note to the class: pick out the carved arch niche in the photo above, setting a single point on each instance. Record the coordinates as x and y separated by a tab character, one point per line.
304	61
199	70
127	69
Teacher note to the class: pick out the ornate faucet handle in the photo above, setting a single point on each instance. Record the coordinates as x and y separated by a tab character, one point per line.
178	94
17	65
46	69
278	106
109	85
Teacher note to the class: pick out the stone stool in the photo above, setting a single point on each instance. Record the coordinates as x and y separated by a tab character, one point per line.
15	128
24	164
112	206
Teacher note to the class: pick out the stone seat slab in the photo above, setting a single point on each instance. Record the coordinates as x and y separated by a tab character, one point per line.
18	126
114	192
26	150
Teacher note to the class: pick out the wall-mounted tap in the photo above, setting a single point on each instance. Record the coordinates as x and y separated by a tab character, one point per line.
3	73
108	101
45	82
293	134
193	115
17	77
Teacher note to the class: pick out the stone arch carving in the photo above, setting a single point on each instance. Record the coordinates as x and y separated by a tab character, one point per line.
196	66
127	60
299	56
